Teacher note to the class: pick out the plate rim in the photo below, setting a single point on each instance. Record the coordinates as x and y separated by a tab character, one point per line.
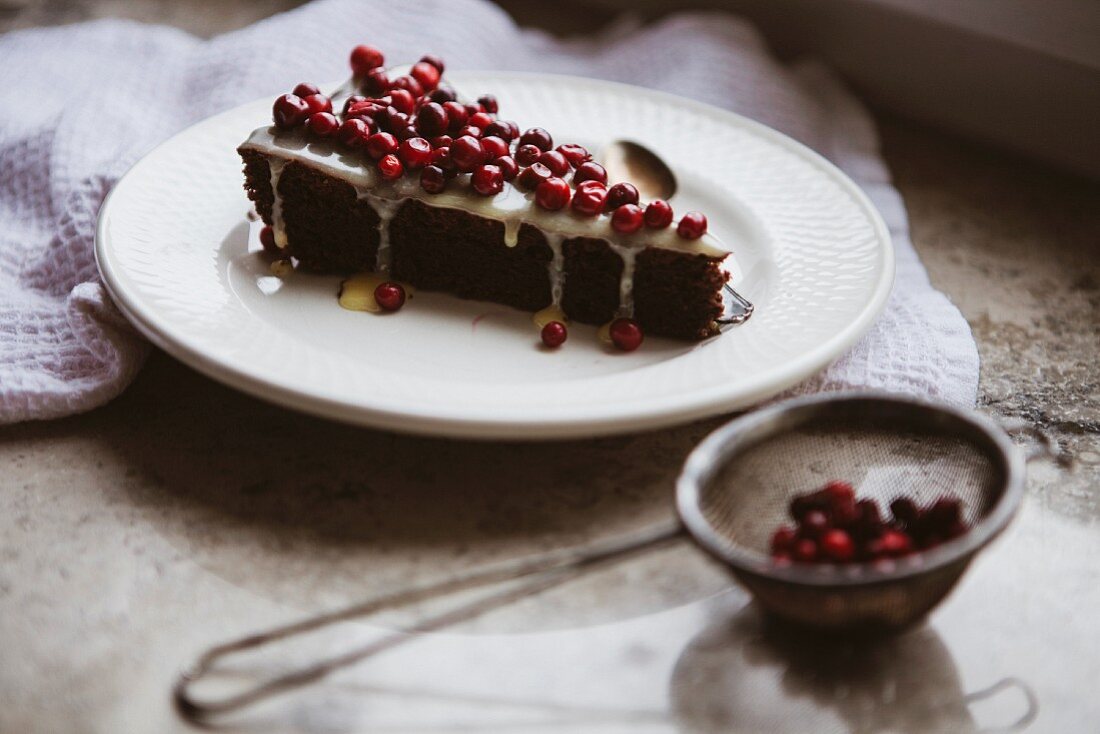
625	419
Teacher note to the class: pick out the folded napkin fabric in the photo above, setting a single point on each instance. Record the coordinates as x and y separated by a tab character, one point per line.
106	92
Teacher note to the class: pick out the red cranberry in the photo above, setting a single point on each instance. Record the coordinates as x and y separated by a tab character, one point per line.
415	152
527	154
499	129
318	103
782	540
621	193
364	110
267	240
944	513
480	119
352	101
805	551
456	116
390	296
530	177
658	214
537	137
443	93
381	144
590	171
390	167
838	546
626	334
508	167
403	100
554	334
426	74
473	109
441	158
392	120
627	219
306	89
488	103
376	82
365	58
905	511
891	544
407	132
555	161
513	129
692	226
590	198
552	194
407	83
467	154
442	141
844	513
431	119
494	147
575	154
434	61
354	133
955	529
289	111
487	180
472	131
839	492
323	124
433	180
814	523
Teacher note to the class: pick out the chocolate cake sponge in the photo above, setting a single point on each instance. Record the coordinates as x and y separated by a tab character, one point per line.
329	229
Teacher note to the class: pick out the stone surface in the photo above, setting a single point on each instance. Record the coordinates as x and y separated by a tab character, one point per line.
185	513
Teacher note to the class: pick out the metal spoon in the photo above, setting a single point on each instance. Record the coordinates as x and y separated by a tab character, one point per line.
626	160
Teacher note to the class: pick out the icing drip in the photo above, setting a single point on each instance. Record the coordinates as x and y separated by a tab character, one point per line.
386	210
511	231
626	281
276	166
556	267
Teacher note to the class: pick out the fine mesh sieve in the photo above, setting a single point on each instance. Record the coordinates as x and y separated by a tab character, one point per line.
733	492
737	485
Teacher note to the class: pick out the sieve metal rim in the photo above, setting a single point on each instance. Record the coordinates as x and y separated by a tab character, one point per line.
747	431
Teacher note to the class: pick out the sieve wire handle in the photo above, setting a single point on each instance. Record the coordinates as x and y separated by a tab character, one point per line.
1005	684
542	573
1044	446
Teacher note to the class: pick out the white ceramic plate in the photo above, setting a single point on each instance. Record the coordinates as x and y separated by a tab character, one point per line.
176	253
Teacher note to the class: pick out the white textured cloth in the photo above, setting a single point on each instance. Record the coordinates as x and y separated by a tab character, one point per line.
104	93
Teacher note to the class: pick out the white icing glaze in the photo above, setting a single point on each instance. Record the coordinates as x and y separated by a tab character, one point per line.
512	207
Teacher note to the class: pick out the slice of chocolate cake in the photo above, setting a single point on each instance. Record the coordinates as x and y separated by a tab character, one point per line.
412	184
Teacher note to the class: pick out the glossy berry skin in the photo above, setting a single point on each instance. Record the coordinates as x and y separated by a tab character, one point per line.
412	86
575	154
365	58
814	523
426	74
318	103
488	103
501	130
390	296
432	120
537	137
627	219
443	93
590	198
390	167
493	146
527	154
441	158
434	61
267	240
441	141
467	154
289	111
408	132
323	124
376	82
804	551
305	89
530	178
508	167
480	119
837	546
891	544
415	152
381	144
433	179
354	134
839	492
692	226
552	194
403	100
472	131
352	101
782	540
554	334
487	180
456	116
626	334
590	171
555	161
621	193
658	214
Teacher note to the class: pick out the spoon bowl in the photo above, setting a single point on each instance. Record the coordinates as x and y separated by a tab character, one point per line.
626	160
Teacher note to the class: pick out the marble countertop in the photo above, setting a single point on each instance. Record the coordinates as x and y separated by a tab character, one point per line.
185	513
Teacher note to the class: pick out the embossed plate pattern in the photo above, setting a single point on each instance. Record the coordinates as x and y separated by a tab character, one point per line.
810	251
